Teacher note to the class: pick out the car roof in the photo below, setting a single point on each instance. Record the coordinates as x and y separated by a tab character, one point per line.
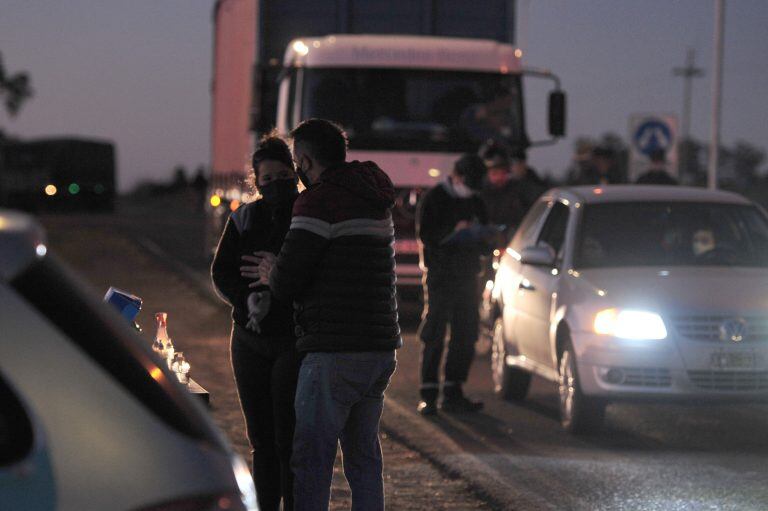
646	193
22	241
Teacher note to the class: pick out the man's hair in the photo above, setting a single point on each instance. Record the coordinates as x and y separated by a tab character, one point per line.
518	154
324	141
471	167
603	152
494	155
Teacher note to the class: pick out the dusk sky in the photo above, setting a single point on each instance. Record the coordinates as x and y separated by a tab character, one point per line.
138	72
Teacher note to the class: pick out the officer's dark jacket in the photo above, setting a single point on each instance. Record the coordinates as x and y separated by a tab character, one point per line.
437	214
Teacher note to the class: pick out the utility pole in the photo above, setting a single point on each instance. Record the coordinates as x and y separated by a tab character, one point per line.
689	72
717	88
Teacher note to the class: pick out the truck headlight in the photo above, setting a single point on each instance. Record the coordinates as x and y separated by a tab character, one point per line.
630	324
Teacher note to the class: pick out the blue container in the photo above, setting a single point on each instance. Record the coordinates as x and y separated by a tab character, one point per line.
127	304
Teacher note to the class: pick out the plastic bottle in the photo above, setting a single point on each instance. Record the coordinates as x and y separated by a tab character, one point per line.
162	340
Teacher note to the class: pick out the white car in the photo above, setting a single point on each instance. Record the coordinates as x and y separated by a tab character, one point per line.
90	419
634	292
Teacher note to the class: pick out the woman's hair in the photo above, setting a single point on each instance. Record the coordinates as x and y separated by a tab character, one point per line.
271	147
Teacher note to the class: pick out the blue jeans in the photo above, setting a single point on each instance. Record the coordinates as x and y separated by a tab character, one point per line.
339	398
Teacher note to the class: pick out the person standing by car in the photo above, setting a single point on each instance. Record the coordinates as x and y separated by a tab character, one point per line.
338	267
264	356
447	213
527	175
603	169
510	188
657	173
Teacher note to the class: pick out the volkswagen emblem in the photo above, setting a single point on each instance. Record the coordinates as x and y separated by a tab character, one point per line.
733	330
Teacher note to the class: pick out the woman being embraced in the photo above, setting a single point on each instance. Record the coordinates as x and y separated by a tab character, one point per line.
264	357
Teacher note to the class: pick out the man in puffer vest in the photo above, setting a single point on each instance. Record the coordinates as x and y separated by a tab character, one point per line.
337	265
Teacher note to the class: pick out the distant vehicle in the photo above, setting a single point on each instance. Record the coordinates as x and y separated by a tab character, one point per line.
631	293
414	84
90	419
57	174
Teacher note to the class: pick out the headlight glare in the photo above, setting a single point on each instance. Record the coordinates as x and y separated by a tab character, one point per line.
630	324
244	483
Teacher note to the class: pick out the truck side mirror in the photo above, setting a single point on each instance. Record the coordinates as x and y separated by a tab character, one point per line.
557	113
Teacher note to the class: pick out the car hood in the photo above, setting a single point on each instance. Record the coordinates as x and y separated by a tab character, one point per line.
679	288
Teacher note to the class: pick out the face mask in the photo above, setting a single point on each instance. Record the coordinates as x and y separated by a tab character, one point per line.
302	176
278	191
462	191
702	244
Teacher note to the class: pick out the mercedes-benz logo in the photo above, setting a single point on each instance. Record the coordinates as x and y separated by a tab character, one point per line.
733	330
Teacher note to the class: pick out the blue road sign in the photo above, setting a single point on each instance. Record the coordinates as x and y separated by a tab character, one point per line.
652	135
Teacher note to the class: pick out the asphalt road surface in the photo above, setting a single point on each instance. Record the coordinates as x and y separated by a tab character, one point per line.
647	457
651	457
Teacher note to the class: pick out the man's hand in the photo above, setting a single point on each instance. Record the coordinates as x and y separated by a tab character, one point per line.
259	271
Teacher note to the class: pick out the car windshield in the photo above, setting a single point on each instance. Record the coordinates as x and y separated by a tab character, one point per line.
416	110
671	234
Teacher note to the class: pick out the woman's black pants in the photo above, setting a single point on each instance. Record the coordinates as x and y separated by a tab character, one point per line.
266	370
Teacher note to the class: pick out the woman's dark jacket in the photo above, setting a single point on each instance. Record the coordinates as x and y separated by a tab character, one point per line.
256	226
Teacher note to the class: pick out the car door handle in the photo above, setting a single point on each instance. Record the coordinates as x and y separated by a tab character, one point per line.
526	285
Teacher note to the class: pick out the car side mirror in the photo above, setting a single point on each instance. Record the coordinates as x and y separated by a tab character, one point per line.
541	255
557	113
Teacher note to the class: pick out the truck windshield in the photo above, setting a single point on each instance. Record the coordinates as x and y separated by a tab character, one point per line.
416	110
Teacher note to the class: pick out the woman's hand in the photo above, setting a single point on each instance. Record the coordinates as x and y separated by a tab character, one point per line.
259	270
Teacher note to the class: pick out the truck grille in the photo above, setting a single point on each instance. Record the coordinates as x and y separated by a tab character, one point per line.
730	380
707	328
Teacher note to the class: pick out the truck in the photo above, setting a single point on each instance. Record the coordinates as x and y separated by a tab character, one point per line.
414	84
55	174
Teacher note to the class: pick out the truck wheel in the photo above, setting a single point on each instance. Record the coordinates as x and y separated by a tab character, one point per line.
510	383
579	414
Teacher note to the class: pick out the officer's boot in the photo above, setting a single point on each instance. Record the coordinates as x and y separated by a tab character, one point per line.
454	400
428	404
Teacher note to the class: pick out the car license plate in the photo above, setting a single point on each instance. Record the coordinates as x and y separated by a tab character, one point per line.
733	360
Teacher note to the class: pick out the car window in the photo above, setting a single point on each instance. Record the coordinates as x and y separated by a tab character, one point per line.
16	437
102	335
672	234
529	223
553	232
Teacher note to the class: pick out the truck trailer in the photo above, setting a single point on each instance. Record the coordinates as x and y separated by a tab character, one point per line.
414	84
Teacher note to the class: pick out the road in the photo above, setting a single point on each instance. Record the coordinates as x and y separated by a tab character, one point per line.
655	457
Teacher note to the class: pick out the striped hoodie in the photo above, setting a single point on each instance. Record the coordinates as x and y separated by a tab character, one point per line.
337	263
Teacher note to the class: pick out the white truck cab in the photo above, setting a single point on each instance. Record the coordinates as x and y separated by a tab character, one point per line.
412	104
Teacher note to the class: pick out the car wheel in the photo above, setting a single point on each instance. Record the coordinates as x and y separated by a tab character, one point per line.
511	383
579	414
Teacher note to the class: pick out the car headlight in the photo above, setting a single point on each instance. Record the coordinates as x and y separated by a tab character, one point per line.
630	324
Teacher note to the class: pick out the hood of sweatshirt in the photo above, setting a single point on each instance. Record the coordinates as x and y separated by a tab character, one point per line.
363	178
